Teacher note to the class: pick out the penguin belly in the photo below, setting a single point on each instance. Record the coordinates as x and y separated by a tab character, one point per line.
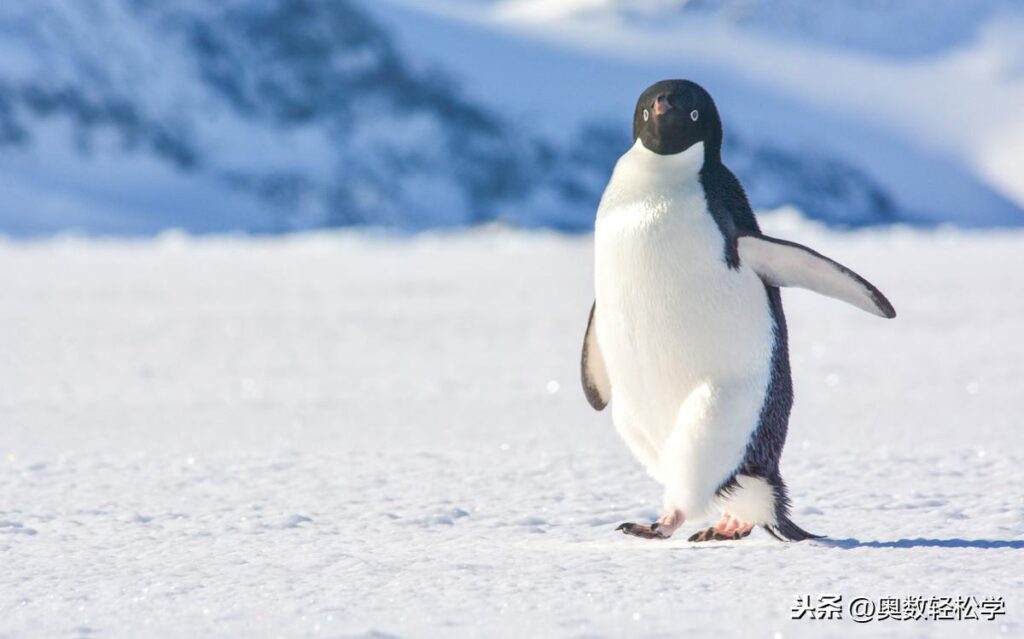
686	339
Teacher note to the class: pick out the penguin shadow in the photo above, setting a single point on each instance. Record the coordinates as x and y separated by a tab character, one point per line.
850	543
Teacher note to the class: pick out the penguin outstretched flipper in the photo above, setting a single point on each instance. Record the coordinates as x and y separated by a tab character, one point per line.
593	374
782	263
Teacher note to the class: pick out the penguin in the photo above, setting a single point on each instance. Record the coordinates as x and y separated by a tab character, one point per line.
687	336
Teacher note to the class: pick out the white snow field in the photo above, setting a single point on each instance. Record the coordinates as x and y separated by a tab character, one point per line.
345	435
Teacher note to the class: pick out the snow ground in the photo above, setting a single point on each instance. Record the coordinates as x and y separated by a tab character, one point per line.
344	435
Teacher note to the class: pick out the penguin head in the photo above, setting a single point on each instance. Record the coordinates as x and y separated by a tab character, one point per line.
673	115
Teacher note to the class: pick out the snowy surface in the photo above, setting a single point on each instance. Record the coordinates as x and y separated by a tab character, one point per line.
344	435
937	125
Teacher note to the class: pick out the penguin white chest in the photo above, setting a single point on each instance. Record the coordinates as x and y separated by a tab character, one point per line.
672	316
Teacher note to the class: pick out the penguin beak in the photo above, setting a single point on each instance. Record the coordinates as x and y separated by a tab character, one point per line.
661	104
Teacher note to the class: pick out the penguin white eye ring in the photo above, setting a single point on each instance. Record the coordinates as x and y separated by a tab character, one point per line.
687	333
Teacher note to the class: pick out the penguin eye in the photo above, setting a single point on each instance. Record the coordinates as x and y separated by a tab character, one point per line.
647	115
694	115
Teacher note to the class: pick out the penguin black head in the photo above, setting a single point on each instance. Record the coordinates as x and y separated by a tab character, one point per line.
673	115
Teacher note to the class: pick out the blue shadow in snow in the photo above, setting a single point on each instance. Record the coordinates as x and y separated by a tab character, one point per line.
924	543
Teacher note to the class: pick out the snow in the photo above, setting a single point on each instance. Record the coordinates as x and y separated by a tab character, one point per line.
126	117
938	126
353	435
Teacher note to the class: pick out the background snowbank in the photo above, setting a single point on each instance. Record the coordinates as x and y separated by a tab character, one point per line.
119	116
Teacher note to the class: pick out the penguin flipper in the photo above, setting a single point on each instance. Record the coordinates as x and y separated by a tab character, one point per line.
782	263
596	385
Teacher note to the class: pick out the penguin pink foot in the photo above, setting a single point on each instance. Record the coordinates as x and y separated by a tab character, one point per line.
661	529
727	528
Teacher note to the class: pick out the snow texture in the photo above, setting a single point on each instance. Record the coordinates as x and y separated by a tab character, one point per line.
829	106
129	117
342	435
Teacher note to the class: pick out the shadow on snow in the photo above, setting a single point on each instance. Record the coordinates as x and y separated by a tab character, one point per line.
924	543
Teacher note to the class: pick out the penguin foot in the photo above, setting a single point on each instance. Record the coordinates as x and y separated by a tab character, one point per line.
711	534
646	531
661	529
728	528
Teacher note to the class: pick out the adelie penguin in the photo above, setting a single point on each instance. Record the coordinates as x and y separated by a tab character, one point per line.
687	337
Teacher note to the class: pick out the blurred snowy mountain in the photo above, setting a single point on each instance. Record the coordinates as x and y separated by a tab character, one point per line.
871	26
130	116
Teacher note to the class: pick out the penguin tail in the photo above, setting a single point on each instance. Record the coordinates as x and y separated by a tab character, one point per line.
783	527
785	530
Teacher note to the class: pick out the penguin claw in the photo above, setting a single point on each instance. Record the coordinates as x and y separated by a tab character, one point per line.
711	534
644	531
